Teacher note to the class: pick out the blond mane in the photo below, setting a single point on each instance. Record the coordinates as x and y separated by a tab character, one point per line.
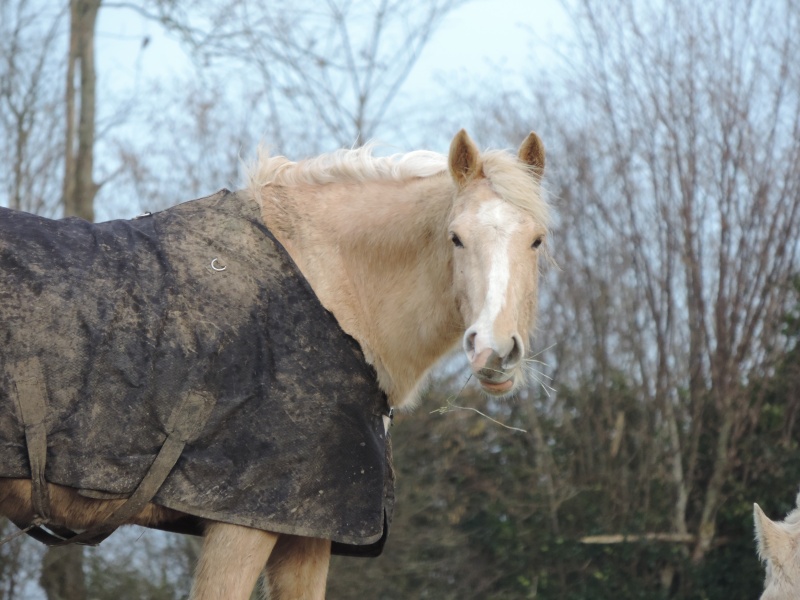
346	165
513	180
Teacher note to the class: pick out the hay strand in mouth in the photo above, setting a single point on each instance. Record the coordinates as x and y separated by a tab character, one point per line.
451	407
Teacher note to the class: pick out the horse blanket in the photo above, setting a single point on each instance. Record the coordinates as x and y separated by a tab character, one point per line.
125	320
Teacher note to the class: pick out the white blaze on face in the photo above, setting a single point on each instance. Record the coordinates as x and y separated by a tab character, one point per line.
498	224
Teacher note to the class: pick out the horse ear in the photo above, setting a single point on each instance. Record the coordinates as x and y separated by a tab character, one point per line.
532	153
464	159
774	542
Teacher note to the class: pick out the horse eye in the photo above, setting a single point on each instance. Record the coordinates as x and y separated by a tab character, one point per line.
456	240
537	242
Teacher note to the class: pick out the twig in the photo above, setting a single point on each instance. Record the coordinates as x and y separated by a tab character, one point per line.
619	538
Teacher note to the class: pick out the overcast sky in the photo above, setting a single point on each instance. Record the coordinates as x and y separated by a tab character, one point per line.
488	34
481	38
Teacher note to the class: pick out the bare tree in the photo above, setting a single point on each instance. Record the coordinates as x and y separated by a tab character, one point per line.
192	130
682	204
342	65
79	185
30	105
326	72
62	575
673	133
19	560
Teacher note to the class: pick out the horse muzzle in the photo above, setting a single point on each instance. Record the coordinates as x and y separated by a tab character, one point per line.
495	378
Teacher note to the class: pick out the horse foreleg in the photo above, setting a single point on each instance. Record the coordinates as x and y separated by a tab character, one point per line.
298	568
231	561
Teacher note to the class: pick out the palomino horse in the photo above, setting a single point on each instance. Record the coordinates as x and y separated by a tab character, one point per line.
779	547
413	255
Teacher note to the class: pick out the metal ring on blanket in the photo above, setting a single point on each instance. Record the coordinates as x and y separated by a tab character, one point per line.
217	268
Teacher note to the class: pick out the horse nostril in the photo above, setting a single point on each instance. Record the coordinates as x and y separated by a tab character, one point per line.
469	341
515	355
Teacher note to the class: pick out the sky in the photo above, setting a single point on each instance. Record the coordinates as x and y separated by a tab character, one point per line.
480	37
497	40
489	34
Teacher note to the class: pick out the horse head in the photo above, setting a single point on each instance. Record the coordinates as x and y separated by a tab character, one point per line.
497	228
779	548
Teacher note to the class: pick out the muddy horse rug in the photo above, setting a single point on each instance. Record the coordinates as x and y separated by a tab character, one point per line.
191	334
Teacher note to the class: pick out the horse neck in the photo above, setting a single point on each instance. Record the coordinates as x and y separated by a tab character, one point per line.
376	255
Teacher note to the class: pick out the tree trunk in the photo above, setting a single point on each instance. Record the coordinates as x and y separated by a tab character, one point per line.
62	575
707	528
79	186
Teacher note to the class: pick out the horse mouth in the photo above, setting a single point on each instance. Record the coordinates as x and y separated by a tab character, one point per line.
490	372
497	388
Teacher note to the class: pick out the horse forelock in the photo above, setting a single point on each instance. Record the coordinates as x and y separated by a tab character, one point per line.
517	184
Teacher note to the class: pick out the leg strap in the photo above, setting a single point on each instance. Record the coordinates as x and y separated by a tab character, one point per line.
184	425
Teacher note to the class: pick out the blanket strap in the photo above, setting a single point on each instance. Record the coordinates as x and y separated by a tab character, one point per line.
28	385
183	426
